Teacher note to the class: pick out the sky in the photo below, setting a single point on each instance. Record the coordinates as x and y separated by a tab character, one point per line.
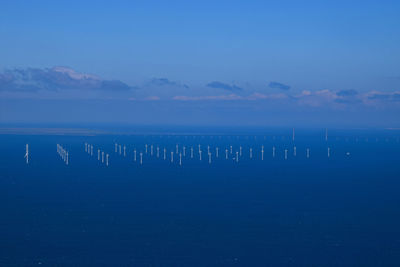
265	63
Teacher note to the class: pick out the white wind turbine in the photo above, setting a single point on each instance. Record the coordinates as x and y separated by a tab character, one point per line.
262	152
27	153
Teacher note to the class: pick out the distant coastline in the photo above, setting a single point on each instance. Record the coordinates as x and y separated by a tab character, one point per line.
51	131
93	130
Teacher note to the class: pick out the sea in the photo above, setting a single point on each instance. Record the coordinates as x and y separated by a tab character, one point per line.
272	197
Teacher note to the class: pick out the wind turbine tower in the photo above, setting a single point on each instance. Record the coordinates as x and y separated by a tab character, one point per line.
262	152
293	135
27	153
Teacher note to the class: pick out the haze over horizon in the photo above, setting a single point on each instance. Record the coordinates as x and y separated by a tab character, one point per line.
259	63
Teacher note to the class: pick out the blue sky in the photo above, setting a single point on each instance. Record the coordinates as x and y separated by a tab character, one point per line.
299	55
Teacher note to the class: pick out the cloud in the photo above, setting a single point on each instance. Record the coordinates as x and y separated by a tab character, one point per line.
204	98
230	97
259	96
56	79
315	98
347	97
345	93
348	100
114	85
343	98
152	98
281	86
225	86
385	96
165	82
328	97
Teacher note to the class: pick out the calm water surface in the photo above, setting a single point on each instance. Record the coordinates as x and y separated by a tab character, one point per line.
342	210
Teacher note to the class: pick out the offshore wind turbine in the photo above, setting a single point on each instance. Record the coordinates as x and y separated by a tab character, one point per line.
134	155
63	153
141	158
293	135
124	151
106	159
216	151
226	153
251	152
27	153
172	156
285	154
158	152
273	152
326	134
191	152
262	152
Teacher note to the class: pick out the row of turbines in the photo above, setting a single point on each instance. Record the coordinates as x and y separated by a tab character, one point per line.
101	155
228	152
63	153
182	153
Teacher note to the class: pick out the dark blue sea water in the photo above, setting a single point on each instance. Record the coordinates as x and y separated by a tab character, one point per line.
342	210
